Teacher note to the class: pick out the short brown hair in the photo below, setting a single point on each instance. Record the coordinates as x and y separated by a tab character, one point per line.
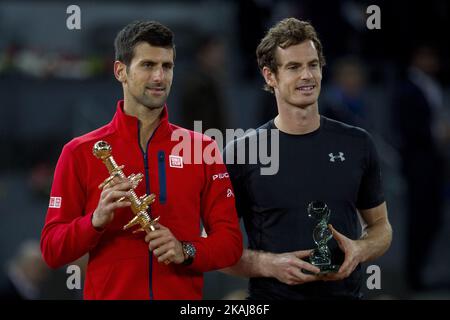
288	32
152	32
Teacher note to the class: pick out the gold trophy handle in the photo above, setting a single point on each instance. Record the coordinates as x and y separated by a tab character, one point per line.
102	150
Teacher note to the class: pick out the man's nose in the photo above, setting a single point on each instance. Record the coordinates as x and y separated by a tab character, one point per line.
158	74
306	73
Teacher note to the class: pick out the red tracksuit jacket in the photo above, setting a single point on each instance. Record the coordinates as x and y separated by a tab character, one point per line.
120	264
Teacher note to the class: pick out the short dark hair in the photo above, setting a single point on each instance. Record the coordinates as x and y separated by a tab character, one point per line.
152	32
288	32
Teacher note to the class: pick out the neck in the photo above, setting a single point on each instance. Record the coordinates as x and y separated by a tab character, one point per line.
295	120
148	119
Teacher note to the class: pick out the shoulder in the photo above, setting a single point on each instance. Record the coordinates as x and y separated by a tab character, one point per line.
241	137
177	132
77	143
345	130
355	138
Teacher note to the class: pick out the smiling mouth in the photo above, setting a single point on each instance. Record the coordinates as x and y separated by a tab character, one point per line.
156	91
306	88
160	89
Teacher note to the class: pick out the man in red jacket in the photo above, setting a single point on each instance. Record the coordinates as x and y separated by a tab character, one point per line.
82	219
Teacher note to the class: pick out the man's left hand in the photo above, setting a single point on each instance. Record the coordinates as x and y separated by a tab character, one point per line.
352	251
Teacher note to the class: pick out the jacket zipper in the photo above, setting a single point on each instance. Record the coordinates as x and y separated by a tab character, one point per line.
162	177
147	191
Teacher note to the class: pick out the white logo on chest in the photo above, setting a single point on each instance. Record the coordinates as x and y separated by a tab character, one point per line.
334	158
175	161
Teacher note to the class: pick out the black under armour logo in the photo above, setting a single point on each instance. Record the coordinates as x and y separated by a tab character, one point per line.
333	158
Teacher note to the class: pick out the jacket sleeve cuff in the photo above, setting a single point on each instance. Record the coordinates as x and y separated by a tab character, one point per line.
201	259
90	234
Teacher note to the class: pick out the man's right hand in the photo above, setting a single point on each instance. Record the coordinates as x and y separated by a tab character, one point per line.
287	267
104	213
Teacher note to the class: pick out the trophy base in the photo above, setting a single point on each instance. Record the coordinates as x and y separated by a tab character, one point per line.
324	269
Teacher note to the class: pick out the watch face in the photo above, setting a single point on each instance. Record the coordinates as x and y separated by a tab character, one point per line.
189	249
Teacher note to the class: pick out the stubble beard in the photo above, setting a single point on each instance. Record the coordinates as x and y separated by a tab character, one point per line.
152	103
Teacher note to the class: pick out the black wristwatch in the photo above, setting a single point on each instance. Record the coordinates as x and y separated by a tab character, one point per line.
189	252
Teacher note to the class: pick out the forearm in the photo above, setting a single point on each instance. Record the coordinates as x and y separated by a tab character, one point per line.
376	240
252	264
62	243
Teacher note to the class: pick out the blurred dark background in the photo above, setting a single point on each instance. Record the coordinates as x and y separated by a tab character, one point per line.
57	83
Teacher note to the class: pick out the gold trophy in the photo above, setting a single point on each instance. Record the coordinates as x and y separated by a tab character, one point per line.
139	206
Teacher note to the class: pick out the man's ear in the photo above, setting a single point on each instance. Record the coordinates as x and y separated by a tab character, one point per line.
269	76
120	70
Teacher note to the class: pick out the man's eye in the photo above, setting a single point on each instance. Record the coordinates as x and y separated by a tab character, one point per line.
293	67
